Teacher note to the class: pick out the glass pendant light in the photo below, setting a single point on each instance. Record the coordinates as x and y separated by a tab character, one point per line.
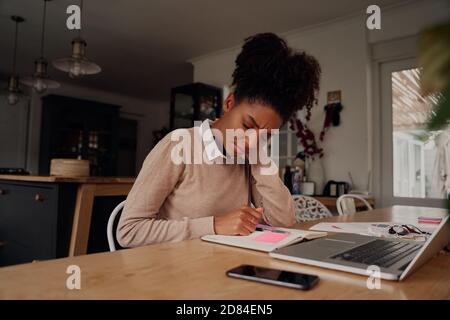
13	92
77	65
40	81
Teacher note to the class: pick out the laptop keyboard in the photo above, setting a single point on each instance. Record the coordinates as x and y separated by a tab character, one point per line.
379	252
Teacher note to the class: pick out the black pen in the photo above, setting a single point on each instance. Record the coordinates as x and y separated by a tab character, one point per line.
263	227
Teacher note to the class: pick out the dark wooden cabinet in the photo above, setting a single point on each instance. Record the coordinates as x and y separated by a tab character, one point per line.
194	102
79	129
35	220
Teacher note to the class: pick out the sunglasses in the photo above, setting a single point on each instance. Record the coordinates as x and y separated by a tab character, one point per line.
405	229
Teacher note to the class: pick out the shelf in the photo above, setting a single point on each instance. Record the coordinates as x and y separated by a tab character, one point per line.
69	125
72	130
65	154
185	117
188	103
101	132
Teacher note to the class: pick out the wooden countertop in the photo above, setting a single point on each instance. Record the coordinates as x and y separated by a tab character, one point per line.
331	201
67	179
195	269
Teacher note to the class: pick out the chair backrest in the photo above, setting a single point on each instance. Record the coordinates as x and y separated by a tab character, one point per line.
308	209
346	204
110	226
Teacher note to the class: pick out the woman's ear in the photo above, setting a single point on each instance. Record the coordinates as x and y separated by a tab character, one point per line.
228	103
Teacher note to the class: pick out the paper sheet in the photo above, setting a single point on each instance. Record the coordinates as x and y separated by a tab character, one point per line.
348	227
365	228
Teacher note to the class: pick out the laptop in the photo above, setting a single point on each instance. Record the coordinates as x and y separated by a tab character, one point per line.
397	258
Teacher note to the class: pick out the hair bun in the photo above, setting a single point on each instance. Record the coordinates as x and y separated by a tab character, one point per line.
267	70
267	43
260	53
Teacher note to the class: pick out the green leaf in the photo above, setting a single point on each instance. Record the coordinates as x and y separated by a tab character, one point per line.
434	58
442	112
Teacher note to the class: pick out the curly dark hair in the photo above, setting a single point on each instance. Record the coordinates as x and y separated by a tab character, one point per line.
269	72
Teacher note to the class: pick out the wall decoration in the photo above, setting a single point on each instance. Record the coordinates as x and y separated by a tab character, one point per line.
306	138
332	109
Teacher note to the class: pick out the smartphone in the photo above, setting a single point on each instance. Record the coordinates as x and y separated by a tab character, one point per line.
272	276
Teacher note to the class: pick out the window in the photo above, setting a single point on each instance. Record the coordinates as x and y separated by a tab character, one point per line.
419	163
288	147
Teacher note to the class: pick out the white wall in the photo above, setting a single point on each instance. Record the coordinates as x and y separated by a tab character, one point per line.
410	19
151	115
342	47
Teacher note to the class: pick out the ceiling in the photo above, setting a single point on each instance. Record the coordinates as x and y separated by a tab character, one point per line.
142	46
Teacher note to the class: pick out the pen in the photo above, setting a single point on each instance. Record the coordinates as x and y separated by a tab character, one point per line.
429	220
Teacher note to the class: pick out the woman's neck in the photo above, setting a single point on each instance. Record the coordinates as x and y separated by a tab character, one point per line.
218	125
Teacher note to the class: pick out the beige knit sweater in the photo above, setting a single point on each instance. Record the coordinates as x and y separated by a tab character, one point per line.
174	202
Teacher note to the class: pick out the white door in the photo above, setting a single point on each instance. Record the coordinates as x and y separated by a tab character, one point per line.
409	153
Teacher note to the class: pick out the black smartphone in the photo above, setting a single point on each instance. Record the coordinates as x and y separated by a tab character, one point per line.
273	276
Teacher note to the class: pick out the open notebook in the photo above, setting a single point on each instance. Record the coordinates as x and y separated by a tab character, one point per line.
265	240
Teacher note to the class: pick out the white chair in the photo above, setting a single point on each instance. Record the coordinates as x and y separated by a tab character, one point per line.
346	203
308	209
110	226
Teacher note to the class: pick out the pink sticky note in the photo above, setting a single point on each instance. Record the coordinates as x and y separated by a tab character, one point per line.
272	237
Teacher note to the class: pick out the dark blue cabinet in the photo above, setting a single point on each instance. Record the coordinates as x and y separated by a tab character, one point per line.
35	220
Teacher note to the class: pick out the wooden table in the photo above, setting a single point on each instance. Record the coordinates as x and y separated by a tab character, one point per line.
88	188
196	270
86	193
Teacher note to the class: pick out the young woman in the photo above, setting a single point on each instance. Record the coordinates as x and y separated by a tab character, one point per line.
173	201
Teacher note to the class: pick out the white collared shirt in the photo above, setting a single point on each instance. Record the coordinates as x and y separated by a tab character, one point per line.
211	148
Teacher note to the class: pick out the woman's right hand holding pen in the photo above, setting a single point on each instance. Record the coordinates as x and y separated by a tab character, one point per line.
240	221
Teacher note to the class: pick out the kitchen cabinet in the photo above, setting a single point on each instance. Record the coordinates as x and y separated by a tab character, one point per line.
48	217
194	102
35	221
74	128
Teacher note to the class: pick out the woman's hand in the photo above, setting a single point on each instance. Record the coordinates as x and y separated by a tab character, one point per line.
241	221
